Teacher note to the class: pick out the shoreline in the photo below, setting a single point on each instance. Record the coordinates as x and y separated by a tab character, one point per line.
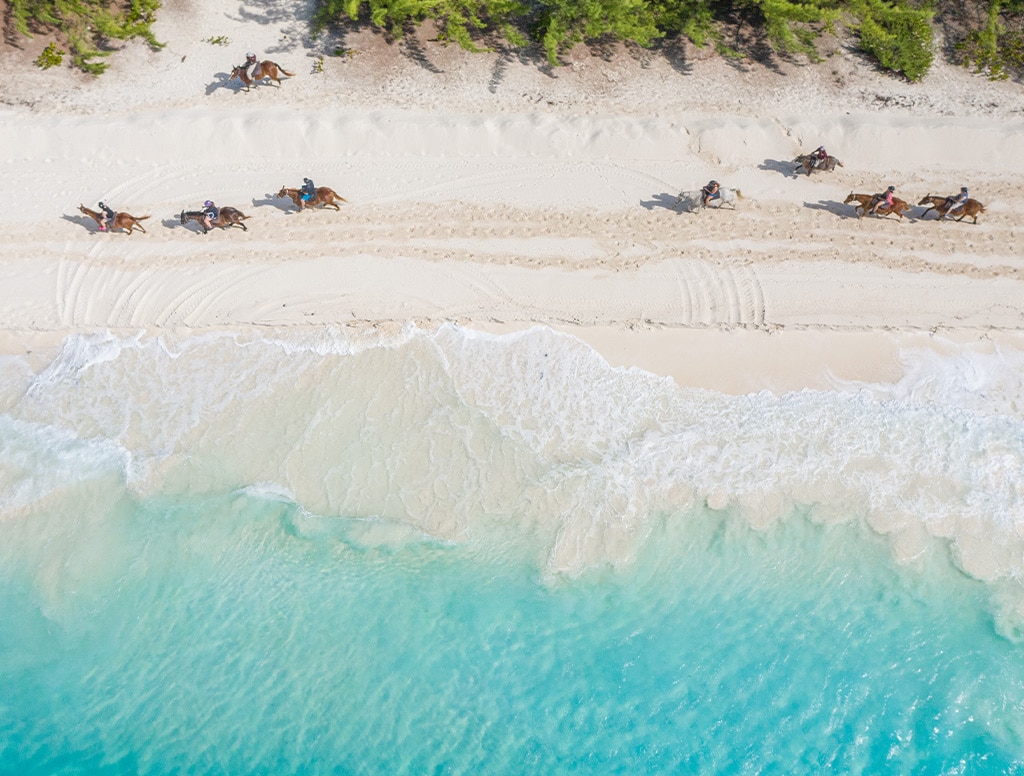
485	192
728	361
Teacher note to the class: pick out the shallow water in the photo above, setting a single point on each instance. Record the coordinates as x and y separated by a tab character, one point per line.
458	553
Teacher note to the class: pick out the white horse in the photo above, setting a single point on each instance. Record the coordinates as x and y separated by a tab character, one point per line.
692	199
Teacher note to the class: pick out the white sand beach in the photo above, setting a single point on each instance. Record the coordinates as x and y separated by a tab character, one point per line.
500	194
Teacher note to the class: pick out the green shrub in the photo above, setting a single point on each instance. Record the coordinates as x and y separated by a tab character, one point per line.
995	50
51	56
87	24
899	37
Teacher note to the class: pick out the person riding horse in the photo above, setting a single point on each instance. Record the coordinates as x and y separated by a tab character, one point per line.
308	190
210	213
250	63
108	217
820	157
885	198
957	202
710	192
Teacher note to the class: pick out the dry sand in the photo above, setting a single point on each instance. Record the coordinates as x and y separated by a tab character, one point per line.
499	194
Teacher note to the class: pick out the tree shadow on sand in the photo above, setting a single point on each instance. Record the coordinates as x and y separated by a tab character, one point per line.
667	201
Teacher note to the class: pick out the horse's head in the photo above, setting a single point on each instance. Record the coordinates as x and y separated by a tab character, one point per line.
849	199
235	71
926	200
182	216
83	209
282	193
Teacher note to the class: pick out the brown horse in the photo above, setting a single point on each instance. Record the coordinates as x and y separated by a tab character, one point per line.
864	202
226	217
941	205
121	220
324	196
263	70
806	162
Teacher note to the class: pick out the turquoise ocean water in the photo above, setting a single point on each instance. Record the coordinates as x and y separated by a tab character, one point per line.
455	553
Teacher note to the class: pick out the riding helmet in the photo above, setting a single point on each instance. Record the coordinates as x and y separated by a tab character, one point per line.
963	189
250	55
891	188
102	206
713	183
208	203
306	180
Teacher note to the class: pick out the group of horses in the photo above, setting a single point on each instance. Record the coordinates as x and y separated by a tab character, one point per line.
899	207
863	203
226	216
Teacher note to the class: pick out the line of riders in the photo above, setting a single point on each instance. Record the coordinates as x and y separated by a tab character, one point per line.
710	192
210	210
820	157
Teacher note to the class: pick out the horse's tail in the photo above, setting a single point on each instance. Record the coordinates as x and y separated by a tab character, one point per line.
283	71
142	218
739	194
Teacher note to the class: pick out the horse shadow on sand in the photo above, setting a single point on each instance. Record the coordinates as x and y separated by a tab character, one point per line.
667	201
84	221
831	206
271	200
224	81
175	223
782	167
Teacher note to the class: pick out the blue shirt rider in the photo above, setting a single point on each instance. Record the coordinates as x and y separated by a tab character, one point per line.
885	198
956	203
710	192
210	213
308	190
107	217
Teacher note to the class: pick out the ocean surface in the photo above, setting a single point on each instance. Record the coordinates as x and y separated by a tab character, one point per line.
449	552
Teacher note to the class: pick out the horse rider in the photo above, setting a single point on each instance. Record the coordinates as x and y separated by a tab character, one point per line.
308	190
710	192
107	217
210	213
820	157
250	64
885	198
956	203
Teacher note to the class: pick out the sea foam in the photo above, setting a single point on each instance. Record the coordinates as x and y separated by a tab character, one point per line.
462	436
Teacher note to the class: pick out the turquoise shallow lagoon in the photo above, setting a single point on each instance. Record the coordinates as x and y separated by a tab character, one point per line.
461	554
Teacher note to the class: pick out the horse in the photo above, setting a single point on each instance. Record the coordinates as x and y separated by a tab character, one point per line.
899	207
693	199
226	217
941	205
264	69
323	196
121	220
808	164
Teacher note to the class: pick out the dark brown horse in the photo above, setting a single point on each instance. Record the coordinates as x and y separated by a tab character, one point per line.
262	70
226	217
121	220
864	202
323	196
941	205
806	162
